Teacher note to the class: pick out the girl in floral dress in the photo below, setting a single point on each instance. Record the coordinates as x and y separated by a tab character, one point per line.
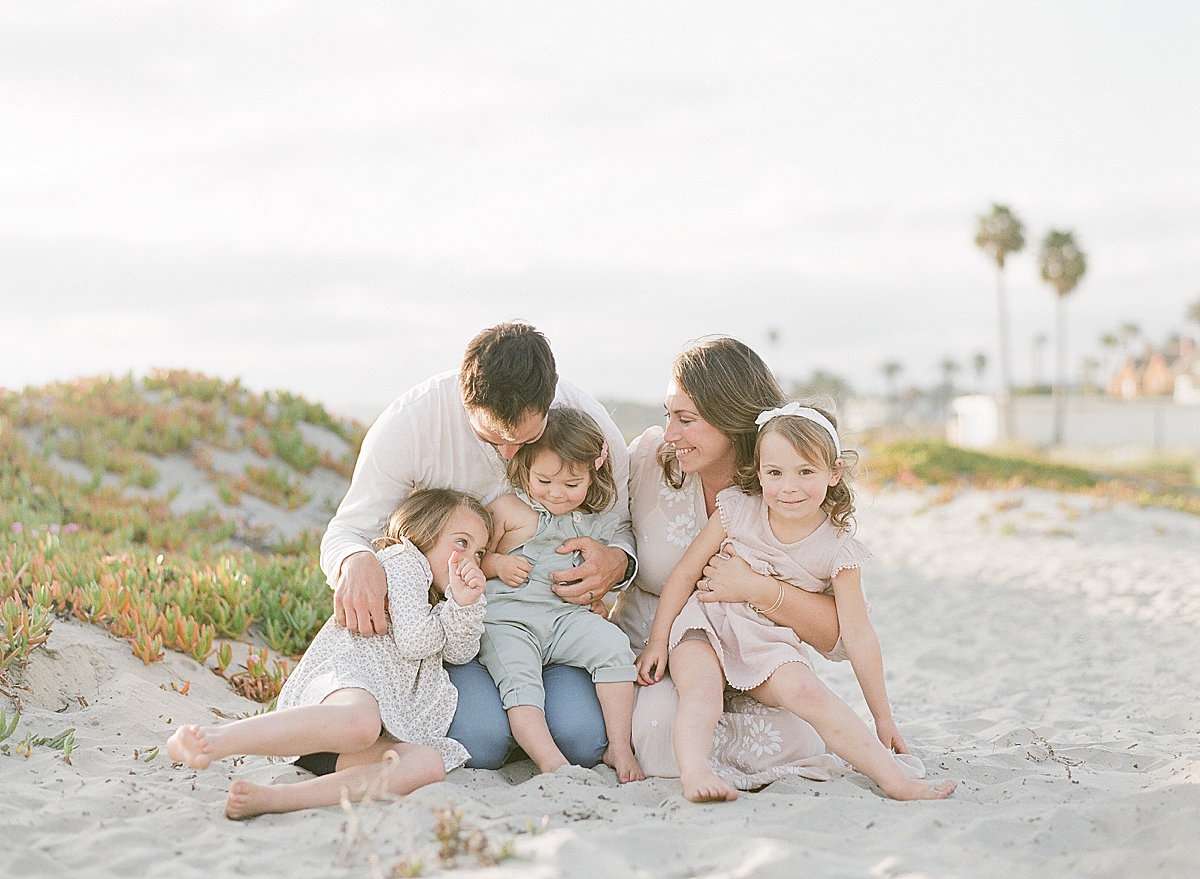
371	713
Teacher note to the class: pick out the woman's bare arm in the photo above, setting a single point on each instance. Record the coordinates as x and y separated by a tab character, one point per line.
811	615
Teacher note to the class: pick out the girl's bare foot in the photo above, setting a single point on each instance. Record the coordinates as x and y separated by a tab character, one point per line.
247	799
921	790
706	787
627	767
190	745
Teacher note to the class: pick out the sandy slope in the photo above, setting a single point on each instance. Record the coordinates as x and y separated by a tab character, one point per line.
1040	648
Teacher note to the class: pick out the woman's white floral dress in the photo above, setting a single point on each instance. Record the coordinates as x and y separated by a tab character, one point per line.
402	669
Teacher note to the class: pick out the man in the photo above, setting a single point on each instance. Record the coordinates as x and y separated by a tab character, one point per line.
459	431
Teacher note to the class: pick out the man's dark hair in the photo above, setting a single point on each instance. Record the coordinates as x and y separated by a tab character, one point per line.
507	371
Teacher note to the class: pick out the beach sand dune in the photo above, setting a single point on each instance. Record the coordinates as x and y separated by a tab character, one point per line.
1040	648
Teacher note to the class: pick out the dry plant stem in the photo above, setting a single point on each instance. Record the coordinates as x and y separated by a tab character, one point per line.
528	725
698	677
346	722
795	687
386	768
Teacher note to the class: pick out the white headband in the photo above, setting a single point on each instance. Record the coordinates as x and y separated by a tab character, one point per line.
802	412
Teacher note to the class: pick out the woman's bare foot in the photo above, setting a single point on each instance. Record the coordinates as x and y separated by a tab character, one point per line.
247	799
922	790
706	787
190	745
627	767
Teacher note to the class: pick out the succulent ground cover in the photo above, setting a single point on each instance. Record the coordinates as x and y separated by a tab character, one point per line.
160	580
926	462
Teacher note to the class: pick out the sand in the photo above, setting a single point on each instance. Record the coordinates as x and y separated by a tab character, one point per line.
1040	648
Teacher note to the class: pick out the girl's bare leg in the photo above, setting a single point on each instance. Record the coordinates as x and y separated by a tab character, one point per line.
347	721
386	767
528	725
616	702
697	674
796	687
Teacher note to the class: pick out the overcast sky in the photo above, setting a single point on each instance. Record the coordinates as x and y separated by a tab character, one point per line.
333	198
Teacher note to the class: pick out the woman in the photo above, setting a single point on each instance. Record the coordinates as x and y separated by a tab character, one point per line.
718	387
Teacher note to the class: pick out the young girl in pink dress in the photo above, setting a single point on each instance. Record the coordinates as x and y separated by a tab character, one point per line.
790	520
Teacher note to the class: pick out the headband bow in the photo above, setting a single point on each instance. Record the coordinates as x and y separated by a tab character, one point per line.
603	455
802	412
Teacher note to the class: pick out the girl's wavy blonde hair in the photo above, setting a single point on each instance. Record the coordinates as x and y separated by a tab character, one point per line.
730	385
815	445
422	517
577	440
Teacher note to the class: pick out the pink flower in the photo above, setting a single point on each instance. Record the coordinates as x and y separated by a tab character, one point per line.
35	533
18	527
53	527
70	528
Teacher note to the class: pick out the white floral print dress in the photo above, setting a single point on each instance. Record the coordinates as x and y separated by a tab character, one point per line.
402	669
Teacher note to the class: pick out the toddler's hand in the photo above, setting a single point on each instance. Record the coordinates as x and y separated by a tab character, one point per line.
600	608
890	736
466	580
513	570
652	663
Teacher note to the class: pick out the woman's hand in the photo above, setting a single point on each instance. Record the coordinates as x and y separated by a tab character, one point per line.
890	736
513	570
466	580
652	663
728	577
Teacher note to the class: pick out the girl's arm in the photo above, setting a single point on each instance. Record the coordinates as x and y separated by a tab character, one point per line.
862	646
416	630
511	569
811	615
462	611
679	586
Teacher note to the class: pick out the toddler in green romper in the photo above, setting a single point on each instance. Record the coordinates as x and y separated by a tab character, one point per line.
565	490
530	627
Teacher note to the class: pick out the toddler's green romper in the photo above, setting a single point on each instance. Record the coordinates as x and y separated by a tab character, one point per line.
529	627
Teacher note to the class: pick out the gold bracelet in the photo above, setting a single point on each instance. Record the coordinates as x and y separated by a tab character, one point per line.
774	607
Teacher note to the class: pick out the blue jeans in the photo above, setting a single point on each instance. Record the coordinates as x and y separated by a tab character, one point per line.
572	713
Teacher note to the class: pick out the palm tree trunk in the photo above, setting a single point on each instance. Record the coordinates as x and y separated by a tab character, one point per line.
1005	406
1060	372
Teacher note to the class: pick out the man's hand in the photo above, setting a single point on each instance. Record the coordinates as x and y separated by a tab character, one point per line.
601	570
360	598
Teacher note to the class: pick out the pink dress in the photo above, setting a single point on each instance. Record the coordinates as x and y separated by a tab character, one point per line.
749	646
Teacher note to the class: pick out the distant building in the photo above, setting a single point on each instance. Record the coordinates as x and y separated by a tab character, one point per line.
1175	370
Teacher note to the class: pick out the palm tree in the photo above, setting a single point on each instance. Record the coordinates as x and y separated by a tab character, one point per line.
890	370
979	364
1109	342
1039	344
1129	331
949	367
999	234
1062	264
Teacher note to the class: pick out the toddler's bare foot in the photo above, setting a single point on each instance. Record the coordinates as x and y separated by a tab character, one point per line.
706	787
627	767
189	745
247	799
921	790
